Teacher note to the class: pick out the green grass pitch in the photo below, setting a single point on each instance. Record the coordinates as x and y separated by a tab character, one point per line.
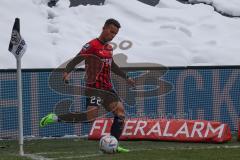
79	149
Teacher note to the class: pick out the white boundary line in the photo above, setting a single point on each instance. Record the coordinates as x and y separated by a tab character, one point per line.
79	157
44	153
38	156
190	148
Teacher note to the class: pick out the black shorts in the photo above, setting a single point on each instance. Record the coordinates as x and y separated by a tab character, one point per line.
95	99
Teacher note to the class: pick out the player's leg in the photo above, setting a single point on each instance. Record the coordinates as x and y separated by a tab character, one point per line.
112	103
119	117
75	117
118	122
90	115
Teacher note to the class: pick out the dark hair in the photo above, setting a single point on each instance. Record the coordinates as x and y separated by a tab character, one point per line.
112	21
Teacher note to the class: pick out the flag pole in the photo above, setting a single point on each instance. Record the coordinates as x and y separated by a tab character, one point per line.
20	109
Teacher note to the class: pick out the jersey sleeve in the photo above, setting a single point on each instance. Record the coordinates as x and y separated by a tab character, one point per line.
87	49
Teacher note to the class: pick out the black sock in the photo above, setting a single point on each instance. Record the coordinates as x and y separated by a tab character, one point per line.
73	117
117	126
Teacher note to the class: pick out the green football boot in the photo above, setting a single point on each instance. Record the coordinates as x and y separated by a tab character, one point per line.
122	150
48	119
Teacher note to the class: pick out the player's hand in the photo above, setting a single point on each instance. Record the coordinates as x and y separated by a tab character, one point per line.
66	77
131	82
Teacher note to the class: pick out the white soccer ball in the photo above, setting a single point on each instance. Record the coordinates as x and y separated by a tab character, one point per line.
108	144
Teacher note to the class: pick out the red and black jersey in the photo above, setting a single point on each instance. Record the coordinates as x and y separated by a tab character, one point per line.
98	61
98	64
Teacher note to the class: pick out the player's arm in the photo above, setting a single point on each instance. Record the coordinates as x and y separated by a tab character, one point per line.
87	49
70	66
116	69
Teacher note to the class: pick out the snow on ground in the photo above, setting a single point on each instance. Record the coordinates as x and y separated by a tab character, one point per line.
231	7
171	33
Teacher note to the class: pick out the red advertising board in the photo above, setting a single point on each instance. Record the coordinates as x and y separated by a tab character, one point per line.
165	130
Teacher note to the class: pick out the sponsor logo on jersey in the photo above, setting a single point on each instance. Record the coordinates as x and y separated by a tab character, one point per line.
86	46
107	60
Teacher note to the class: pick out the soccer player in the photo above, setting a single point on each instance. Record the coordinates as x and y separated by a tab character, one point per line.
98	65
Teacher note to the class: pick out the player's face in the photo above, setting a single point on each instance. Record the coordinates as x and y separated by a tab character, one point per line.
109	32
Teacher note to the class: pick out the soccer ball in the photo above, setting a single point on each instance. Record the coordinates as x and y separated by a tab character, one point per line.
108	144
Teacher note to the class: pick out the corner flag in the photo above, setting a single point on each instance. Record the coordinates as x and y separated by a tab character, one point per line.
17	45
